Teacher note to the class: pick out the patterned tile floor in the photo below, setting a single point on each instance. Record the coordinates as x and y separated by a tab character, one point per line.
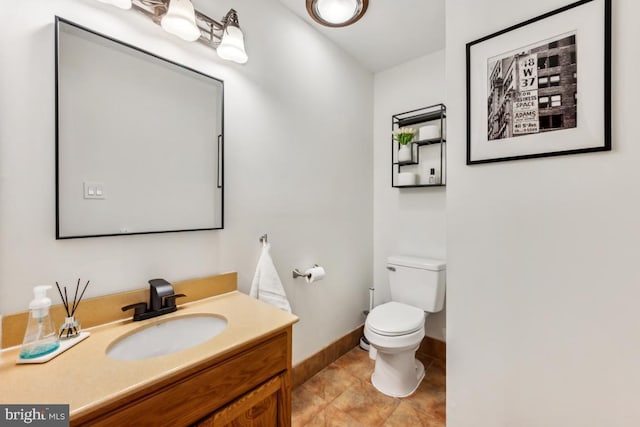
342	395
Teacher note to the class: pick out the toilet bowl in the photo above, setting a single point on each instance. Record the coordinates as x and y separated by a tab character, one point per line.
395	330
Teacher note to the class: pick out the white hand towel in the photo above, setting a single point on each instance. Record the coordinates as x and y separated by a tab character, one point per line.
266	285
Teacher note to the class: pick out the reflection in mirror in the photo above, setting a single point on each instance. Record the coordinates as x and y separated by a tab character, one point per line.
139	140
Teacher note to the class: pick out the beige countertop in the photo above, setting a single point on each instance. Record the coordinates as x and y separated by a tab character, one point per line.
86	378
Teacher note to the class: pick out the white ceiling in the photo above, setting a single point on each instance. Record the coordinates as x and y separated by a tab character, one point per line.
390	33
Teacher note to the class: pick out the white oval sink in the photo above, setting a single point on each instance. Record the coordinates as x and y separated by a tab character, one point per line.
165	337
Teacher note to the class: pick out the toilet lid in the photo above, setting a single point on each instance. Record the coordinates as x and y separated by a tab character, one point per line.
395	318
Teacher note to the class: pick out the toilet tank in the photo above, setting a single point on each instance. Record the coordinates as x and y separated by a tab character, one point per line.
419	282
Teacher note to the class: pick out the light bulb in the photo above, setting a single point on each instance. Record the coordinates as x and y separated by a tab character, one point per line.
180	20
337	11
231	46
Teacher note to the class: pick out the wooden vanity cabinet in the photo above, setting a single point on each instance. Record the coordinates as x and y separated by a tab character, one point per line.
250	387
262	407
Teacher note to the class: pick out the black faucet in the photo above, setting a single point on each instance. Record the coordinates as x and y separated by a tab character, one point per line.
162	300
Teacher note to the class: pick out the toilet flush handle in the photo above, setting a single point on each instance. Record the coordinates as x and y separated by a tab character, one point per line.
390	268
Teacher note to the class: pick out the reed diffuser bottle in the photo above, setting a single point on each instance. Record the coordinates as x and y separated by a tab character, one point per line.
40	337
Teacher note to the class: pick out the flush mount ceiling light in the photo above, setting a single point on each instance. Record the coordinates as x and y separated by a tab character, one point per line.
179	18
336	13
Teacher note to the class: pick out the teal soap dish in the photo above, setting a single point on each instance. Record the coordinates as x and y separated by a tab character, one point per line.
64	346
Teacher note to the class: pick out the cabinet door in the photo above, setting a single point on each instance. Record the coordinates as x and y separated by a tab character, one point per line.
265	406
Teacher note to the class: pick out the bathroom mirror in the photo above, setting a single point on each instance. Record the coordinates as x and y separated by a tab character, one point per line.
139	140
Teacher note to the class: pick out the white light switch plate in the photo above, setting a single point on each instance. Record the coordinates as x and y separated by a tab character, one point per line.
93	190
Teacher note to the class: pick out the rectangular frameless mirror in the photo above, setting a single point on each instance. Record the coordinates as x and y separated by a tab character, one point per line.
139	140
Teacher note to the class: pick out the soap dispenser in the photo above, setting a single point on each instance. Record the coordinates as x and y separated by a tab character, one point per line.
40	337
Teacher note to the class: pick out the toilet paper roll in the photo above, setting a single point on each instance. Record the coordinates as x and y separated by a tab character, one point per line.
314	274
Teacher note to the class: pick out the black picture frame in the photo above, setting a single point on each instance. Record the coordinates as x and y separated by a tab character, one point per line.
566	46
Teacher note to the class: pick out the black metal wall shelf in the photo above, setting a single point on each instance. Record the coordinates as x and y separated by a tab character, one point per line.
420	185
420	117
410	162
430	141
417	170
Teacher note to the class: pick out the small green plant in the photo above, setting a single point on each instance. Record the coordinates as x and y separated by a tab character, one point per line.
404	135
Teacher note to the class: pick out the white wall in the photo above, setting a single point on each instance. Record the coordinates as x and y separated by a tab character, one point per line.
298	162
543	323
409	221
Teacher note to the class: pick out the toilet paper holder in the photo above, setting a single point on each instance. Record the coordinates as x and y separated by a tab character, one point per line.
297	273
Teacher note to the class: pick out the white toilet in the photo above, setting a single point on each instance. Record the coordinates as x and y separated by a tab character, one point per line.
395	329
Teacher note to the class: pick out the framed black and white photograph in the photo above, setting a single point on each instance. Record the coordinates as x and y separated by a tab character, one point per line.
541	87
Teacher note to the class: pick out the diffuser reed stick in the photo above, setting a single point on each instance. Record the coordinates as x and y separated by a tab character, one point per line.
75	305
75	295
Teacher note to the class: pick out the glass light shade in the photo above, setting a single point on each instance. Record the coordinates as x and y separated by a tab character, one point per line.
231	46
122	4
180	20
337	11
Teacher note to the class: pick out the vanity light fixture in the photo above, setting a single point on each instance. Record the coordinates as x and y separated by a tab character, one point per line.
232	44
179	18
336	13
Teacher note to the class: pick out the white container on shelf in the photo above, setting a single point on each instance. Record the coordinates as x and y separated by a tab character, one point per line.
430	132
404	153
406	178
